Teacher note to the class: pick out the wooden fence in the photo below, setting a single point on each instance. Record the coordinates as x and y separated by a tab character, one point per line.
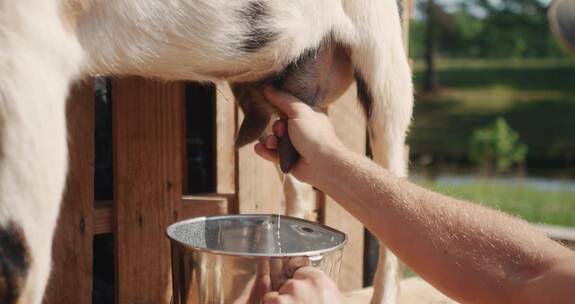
149	193
149	185
148	141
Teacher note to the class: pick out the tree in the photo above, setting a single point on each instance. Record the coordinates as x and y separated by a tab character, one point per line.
437	21
481	29
430	73
517	29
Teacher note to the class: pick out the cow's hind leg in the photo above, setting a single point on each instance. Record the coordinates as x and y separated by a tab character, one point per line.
298	198
384	87
37	59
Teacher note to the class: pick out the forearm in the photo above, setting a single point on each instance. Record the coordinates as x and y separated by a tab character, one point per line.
472	253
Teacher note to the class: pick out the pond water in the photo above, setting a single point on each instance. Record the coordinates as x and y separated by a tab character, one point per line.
540	183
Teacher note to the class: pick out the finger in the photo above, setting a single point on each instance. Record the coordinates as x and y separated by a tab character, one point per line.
281	299
265	283
247	292
265	153
315	276
271	142
307	272
277	274
292	287
294	264
285	102
272	298
279	128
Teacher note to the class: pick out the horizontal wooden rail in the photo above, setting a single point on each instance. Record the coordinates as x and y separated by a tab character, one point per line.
103	217
192	206
564	235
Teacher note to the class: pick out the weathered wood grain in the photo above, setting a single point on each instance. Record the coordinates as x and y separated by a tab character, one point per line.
224	140
259	184
71	279
350	126
148	157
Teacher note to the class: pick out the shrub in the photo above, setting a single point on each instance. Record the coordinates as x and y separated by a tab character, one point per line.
497	146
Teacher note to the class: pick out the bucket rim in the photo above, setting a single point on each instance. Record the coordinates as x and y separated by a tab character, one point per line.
311	253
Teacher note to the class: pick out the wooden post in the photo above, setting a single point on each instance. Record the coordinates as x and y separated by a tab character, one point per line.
148	157
350	126
225	134
406	14
71	279
259	184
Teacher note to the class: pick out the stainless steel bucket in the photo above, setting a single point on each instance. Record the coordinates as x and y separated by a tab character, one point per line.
238	258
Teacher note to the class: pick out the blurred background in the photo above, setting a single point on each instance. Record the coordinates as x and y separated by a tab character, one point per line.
494	120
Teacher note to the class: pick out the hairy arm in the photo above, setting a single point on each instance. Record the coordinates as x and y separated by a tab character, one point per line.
471	253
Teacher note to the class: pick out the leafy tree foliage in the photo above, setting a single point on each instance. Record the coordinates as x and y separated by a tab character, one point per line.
487	29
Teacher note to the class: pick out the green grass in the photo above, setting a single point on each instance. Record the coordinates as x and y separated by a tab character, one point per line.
533	205
536	97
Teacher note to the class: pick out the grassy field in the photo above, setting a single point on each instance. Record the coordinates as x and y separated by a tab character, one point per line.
533	205
536	97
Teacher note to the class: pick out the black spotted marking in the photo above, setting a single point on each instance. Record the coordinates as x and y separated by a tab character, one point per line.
400	9
364	94
256	16
14	263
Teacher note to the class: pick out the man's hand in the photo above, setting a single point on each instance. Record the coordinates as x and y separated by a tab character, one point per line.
311	133
308	285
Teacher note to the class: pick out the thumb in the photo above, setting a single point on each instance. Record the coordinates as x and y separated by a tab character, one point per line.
288	104
271	298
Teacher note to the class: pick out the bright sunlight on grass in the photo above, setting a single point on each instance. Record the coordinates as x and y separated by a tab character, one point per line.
533	205
536	97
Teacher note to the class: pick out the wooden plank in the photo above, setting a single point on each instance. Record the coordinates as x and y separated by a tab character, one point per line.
103	217
563	235
192	206
412	290
195	206
350	126
148	157
259	183
71	279
225	138
557	232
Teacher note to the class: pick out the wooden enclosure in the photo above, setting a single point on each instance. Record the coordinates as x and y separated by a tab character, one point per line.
149	179
148	141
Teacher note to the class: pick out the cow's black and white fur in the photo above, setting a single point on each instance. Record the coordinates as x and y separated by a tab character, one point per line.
46	44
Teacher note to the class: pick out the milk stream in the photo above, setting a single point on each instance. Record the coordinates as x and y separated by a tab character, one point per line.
280	219
269	227
278	233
